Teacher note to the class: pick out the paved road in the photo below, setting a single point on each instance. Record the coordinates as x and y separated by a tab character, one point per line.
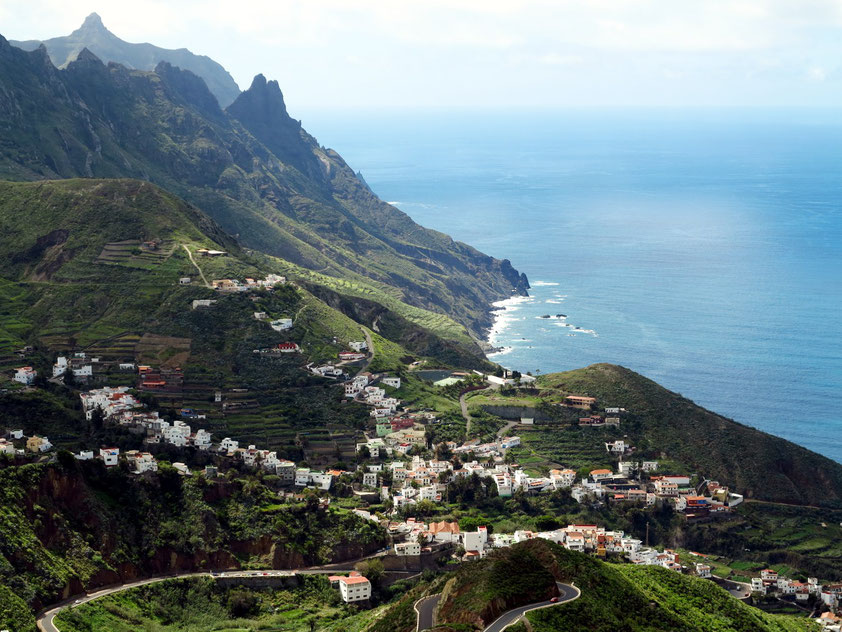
738	590
425	609
46	620
505	429
370	357
465	414
566	593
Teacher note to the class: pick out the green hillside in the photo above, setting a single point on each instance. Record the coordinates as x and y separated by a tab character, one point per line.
614	596
74	526
252	168
78	274
752	462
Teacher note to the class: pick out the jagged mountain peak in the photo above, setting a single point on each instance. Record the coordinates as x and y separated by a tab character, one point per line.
85	55
93	35
93	21
263	100
92	29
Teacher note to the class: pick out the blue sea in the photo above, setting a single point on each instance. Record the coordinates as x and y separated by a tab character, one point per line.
702	248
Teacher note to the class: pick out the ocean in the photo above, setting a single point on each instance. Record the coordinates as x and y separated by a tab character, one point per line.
701	248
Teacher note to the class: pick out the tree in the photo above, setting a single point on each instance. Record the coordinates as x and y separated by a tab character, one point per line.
372	569
242	603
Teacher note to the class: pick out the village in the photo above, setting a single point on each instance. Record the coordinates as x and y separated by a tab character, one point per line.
399	469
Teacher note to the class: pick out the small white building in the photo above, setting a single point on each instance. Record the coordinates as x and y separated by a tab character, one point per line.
394	382
281	324
109	456
228	445
25	375
407	548
358	345
703	571
369	479
354	588
60	366
85	455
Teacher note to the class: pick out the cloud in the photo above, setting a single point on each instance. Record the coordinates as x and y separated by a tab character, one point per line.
485	51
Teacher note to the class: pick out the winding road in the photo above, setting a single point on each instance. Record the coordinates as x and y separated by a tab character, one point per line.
196	265
46	619
567	593
465	414
425	609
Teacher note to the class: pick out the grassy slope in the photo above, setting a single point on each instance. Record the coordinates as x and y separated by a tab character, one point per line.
750	461
307	207
614	597
625	597
198	605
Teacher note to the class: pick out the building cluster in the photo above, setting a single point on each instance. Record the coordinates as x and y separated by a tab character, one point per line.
234	285
15	443
160	380
770	582
79	365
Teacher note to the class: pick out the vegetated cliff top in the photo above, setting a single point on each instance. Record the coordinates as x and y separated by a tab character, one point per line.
74	526
252	168
94	36
750	461
614	596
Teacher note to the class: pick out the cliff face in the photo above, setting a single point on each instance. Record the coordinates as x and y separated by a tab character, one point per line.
252	168
76	527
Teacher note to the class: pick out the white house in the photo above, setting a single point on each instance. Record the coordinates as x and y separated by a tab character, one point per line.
109	456
60	366
498	381
25	375
394	382
369	479
84	455
703	571
616	447
509	442
202	439
228	445
281	324
407	548
475	541
354	588
358	345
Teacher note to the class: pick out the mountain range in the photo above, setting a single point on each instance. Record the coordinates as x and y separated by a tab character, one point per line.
104	44
251	167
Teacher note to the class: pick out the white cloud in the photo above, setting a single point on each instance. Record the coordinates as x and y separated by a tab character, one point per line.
485	51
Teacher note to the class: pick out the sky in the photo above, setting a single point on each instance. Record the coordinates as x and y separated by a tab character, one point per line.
489	53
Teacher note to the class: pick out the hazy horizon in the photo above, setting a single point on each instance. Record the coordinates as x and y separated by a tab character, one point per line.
472	54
